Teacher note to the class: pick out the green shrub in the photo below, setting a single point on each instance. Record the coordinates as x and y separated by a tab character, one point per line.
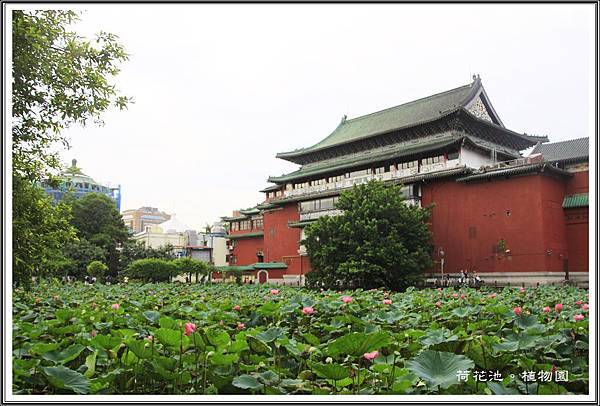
189	266
151	270
97	269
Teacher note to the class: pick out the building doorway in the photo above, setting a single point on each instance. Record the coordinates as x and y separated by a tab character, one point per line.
263	276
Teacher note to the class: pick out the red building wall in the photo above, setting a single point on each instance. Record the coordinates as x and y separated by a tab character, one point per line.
245	250
281	241
577	230
579	183
469	219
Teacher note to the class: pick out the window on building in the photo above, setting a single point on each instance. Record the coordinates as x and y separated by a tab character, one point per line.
361	172
245	225
235	226
379	170
257	224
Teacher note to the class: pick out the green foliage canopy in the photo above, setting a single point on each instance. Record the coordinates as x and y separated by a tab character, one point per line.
151	270
377	241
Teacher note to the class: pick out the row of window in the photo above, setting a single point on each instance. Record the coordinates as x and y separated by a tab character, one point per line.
244	225
276	193
320	204
368	171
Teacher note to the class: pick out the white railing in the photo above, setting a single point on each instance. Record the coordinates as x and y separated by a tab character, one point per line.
313	215
358	180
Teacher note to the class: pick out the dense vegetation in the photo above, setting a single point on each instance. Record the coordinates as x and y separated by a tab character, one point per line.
377	241
194	339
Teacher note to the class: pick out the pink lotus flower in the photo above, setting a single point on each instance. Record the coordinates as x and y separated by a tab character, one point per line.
94	333
438	304
274	291
387	301
522	290
518	311
493	295
462	296
455	295
546	309
585	306
115	306
578	317
150	338
558	307
439	289
93	305
371	355
241	326
189	328
308	310
578	303
236	308
346	299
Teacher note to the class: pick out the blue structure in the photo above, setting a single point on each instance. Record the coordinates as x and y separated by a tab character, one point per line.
79	184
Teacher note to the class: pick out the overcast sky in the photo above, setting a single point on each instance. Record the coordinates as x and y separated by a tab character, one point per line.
220	89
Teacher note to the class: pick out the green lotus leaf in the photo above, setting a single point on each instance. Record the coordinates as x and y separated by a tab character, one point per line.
437	336
246	382
138	347
64	356
64	314
439	368
257	345
168	337
90	363
218	339
270	335
223	359
152	316
64	378
499	389
105	342
329	371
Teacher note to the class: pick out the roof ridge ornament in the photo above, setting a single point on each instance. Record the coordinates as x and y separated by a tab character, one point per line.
344	117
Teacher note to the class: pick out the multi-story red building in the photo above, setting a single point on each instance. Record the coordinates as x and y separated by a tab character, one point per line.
512	218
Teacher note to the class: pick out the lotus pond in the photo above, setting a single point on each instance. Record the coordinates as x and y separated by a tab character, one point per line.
227	339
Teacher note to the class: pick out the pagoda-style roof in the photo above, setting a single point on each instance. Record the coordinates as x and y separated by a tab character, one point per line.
408	149
409	115
571	150
517	170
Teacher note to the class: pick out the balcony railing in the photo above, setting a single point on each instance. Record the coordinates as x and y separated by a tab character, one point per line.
358	180
313	215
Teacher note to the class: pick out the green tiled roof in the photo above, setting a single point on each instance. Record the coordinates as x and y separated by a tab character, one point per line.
405	115
234	268
250	212
565	150
247	235
269	265
398	151
514	171
578	200
270	188
252	267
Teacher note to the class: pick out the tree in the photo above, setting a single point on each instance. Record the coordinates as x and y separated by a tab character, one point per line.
377	241
151	270
191	267
40	231
58	79
97	269
79	254
133	250
97	220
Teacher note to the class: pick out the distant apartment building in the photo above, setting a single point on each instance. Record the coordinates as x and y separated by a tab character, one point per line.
75	182
137	220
